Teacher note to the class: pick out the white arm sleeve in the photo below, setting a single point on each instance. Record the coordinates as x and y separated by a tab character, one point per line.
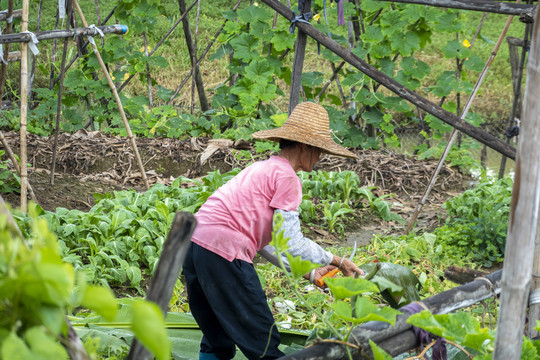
298	244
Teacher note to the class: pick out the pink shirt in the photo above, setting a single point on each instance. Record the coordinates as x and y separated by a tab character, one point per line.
236	221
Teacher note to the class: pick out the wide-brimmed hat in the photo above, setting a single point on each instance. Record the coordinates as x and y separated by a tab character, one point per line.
308	124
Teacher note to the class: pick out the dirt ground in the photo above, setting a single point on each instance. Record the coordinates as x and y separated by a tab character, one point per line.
93	162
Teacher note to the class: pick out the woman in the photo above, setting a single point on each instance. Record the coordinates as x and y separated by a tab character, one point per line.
224	291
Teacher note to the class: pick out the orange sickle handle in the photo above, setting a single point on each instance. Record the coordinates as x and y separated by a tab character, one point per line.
331	273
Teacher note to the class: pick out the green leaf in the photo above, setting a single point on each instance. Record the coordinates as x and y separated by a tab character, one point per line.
474	63
460	327
252	13
100	300
405	42
14	348
397	284
246	47
343	287
283	40
43	345
148	326
448	22
367	311
300	267
455	49
378	353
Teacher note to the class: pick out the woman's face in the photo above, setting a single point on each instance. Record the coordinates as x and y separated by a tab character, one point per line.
309	157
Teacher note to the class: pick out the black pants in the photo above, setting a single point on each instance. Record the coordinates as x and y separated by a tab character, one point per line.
230	306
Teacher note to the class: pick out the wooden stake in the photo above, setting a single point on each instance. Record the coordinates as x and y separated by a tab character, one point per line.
192	45
118	101
69	9
148	76
505	8
517	95
194	66
298	62
53	59
523	222
203	55
168	268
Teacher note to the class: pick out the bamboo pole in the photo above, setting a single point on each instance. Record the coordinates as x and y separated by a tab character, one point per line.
8	30
117	98
517	95
454	132
24	107
60	92
161	42
298	62
522	226
57	34
497	7
34	57
15	14
15	163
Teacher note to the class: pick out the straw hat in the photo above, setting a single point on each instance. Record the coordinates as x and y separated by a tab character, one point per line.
308	124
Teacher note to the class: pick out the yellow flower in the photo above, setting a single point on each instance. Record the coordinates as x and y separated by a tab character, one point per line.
126	76
147	48
466	43
112	77
316	17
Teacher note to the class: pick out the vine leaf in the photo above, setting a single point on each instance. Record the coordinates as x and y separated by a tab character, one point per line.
378	353
462	328
300	267
148	326
343	287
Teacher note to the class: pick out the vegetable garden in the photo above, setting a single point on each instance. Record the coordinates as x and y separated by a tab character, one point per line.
161	116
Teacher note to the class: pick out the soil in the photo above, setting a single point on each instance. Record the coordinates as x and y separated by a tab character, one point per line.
93	162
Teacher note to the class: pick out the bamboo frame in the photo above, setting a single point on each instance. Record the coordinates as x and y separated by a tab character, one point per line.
117	98
394	86
57	34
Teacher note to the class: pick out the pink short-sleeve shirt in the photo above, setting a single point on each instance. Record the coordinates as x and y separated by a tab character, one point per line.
236	221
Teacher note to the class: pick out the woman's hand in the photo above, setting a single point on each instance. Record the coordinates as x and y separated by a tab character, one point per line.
347	267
